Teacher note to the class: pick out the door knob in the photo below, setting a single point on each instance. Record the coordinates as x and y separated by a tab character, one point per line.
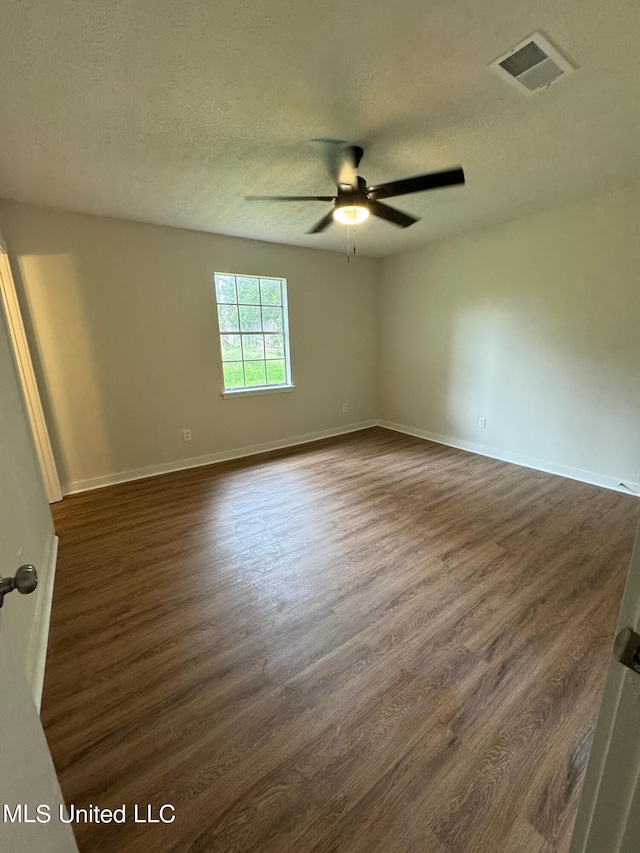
25	581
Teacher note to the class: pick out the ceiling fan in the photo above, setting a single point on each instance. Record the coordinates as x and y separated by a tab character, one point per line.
355	200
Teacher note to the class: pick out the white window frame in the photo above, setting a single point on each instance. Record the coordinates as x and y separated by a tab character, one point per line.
253	390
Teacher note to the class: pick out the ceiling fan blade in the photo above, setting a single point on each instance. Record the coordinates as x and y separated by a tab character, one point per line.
331	150
324	223
347	174
289	198
448	178
391	214
342	159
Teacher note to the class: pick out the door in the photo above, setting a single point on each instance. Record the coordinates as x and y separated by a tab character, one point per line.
609	812
27	776
29	789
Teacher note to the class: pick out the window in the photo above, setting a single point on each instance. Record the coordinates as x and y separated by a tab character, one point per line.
254	332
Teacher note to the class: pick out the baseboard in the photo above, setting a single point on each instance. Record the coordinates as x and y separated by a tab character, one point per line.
37	656
210	458
627	487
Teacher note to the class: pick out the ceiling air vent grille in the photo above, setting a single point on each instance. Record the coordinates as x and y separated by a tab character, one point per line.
532	65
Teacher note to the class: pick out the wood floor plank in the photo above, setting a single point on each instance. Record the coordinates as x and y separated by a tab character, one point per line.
353	645
523	838
527	746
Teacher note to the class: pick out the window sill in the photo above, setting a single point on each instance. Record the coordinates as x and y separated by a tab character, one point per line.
254	392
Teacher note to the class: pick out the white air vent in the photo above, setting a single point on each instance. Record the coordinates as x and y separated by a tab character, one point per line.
532	65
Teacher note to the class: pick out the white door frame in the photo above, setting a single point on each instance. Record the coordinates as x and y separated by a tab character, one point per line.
28	379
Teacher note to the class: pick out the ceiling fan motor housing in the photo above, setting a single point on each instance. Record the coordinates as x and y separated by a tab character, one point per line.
349	196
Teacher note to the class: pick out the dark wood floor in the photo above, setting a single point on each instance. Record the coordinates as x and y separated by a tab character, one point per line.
369	644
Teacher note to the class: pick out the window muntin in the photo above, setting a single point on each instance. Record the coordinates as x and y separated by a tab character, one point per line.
254	333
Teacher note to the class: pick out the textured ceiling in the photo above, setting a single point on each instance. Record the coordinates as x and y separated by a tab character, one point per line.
170	112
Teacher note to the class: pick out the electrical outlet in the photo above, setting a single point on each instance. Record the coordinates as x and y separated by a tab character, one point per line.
186	435
482	422
345	407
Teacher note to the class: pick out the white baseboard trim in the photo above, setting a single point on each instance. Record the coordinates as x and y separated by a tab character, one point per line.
37	657
210	458
627	487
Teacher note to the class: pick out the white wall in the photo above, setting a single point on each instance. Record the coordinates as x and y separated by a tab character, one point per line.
534	325
122	318
26	528
531	324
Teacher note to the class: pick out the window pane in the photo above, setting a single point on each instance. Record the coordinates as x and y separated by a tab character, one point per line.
254	372
250	318
228	318
253	347
272	320
249	290
233	374
252	325
270	292
274	346
276	374
226	288
231	348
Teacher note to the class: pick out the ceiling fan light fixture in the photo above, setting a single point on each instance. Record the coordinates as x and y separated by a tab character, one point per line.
351	214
